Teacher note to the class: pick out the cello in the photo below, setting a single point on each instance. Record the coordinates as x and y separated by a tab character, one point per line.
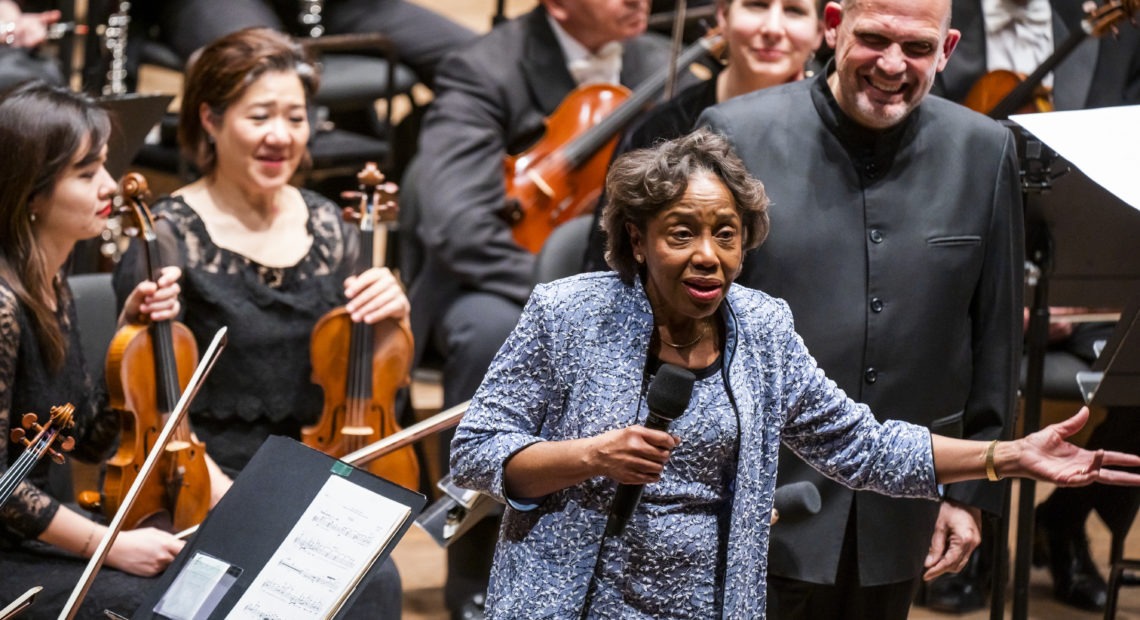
361	366
147	367
561	176
1001	93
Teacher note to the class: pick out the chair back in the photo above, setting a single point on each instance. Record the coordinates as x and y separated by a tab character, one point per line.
97	308
562	254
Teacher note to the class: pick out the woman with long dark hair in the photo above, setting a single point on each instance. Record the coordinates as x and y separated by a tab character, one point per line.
54	192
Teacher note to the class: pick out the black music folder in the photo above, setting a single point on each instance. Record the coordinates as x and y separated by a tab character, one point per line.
295	537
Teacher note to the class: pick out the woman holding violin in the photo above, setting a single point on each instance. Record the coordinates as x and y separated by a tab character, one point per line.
258	255
54	192
767	43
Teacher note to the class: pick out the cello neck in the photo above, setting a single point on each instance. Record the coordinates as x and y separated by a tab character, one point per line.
581	148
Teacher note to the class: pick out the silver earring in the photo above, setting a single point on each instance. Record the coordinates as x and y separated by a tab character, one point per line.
639	258
32	217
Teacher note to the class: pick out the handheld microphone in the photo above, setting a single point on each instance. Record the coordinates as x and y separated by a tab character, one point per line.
668	397
796	501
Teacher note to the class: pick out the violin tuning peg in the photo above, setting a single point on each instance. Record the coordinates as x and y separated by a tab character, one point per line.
351	195
67	444
56	457
17	435
29	421
370	176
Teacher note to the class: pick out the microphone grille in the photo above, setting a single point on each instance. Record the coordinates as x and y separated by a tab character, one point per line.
670	391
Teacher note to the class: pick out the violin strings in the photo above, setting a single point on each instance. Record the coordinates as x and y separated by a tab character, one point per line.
22	466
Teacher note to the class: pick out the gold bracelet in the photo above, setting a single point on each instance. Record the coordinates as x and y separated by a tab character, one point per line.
991	471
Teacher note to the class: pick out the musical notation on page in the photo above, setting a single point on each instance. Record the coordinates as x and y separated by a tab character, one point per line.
325	555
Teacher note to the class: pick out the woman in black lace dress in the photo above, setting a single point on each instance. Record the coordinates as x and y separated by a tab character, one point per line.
258	255
54	191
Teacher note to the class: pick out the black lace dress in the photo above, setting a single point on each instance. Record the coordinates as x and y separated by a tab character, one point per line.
27	385
261	384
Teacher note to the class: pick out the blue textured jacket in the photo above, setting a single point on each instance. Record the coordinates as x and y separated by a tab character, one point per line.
574	367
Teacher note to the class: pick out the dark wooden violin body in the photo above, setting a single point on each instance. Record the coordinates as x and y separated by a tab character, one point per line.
147	368
360	367
562	175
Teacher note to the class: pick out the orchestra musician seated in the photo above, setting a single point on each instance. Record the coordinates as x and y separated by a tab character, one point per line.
260	256
55	192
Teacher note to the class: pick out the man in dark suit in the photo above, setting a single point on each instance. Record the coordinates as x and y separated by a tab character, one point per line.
1020	35
492	98
897	242
1098	73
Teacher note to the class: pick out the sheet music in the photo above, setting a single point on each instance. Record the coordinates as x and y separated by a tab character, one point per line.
1101	142
326	553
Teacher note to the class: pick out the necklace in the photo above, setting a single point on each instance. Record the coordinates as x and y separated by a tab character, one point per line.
687	344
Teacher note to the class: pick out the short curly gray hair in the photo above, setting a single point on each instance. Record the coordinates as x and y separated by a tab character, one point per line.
642	183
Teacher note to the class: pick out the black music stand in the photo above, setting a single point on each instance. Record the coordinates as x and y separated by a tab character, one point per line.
275	505
134	116
1081	239
1114	380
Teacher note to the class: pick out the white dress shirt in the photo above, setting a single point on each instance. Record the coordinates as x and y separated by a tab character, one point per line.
586	67
1019	35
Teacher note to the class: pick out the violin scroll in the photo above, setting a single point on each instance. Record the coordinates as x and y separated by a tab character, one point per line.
135	193
134	187
376	198
49	433
1104	18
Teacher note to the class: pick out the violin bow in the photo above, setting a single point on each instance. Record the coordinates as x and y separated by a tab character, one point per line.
96	562
411	434
18	606
676	43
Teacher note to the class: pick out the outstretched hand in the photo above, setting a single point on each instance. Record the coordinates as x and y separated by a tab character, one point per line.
1048	456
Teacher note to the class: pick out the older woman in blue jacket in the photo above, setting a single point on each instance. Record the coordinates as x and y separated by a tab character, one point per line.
558	421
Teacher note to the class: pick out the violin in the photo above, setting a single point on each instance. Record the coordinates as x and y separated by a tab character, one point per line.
561	176
147	368
361	366
35	448
990	89
1001	93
